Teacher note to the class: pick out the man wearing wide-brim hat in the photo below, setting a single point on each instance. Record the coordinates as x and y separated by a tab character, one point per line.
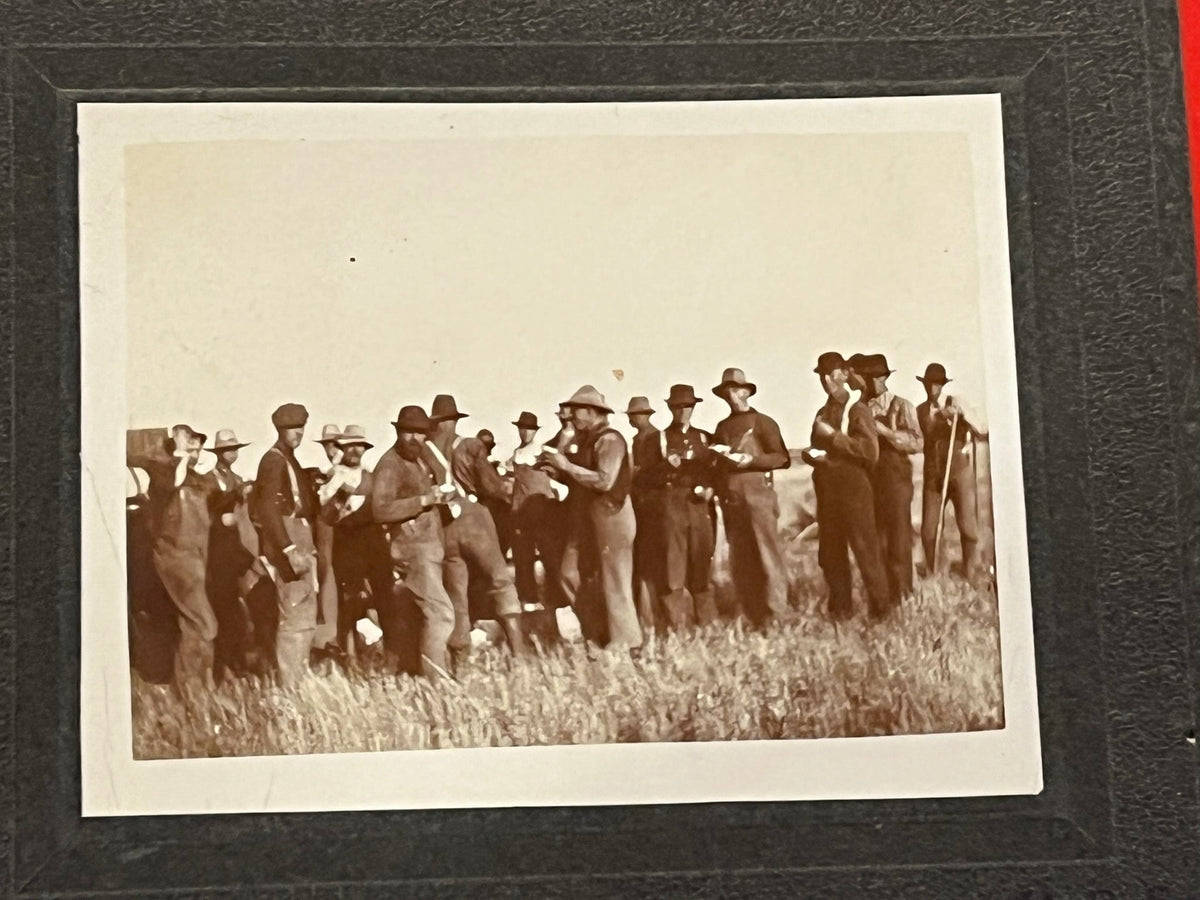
748	448
327	592
845	448
180	502
359	554
602	525
232	554
473	556
646	495
284	503
900	437
408	502
688	517
938	416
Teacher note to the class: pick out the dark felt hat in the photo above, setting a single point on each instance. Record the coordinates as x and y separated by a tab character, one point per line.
683	395
639	406
829	361
444	408
873	365
935	373
412	418
733	377
527	420
198	435
290	415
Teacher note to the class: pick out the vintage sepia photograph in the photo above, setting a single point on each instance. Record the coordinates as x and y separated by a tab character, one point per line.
536	454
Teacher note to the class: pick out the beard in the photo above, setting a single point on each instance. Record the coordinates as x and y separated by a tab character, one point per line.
410	452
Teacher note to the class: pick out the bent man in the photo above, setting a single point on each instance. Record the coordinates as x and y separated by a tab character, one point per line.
597	567
285	506
749	448
472	545
409	503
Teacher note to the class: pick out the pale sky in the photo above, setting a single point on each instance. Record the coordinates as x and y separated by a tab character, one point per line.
355	277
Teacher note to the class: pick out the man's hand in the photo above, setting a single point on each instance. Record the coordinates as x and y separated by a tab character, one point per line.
741	460
297	560
674	460
824	429
555	458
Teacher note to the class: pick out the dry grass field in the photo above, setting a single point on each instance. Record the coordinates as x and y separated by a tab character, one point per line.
933	667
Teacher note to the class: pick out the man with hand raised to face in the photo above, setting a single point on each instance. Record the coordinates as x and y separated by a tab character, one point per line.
844	450
749	448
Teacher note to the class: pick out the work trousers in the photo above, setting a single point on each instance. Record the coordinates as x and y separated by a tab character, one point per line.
182	571
756	566
327	585
364	576
297	604
597	574
423	609
892	484
228	561
689	538
473	548
648	553
960	493
539	533
845	522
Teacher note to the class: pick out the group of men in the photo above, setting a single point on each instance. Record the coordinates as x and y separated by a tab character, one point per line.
624	534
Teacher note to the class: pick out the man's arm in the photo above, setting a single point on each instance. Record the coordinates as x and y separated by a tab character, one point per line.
905	435
859	442
610	451
389	504
272	480
487	479
774	453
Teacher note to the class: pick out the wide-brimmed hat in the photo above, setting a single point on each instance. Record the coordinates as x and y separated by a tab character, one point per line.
588	396
198	435
444	408
874	365
829	361
354	435
639	406
225	439
527	420
683	395
732	377
412	418
290	415
935	373
329	434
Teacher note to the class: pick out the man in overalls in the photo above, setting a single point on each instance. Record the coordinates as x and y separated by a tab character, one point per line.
688	518
285	507
843	453
472	545
597	568
646	494
749	448
892	478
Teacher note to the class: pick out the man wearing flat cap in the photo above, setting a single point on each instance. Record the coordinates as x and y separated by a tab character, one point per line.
688	517
232	558
285	508
900	437
942	417
472	545
844	450
646	495
408	502
181	503
597	566
748	448
538	525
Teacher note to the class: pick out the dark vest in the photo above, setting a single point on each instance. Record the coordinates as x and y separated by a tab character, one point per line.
587	457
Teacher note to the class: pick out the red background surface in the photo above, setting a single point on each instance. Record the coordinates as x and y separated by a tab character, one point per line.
1189	28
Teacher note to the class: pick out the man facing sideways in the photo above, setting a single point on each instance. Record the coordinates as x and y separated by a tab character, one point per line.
537	525
180	503
940	415
844	450
749	448
327	592
231	564
689	520
285	506
472	546
360	554
646	494
499	506
409	503
597	567
892	477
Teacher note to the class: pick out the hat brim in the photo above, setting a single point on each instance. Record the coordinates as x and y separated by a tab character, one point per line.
720	389
521	424
455	417
924	380
328	440
355	442
639	412
217	448
603	409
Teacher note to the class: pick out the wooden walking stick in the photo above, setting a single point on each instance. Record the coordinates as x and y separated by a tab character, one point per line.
937	539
